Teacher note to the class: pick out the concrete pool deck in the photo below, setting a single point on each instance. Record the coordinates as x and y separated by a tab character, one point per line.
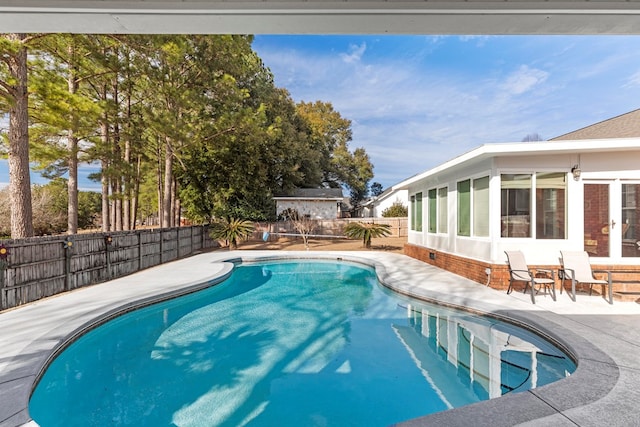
604	390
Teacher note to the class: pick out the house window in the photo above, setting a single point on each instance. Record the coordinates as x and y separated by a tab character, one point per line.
433	209
443	215
550	189
481	207
464	208
473	207
416	212
515	205
551	213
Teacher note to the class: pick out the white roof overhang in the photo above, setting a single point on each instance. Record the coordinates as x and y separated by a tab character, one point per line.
528	149
321	17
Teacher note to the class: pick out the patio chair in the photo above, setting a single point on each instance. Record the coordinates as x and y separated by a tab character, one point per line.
520	272
576	267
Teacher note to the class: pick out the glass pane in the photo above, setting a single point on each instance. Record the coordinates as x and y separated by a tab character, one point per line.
432	211
443	214
464	208
481	207
419	212
630	220
596	219
551	210
413	212
515	205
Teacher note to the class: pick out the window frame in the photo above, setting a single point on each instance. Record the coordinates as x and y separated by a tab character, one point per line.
533	201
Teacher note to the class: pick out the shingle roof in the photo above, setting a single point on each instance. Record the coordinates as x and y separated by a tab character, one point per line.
313	193
623	126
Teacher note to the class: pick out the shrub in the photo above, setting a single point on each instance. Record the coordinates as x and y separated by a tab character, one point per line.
396	210
231	230
366	231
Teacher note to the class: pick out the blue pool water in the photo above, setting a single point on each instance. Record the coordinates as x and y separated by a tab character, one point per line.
304	343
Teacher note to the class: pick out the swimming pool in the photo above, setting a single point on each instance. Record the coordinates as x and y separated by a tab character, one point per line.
289	343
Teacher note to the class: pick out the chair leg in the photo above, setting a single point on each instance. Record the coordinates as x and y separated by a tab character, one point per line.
533	291
553	291
510	288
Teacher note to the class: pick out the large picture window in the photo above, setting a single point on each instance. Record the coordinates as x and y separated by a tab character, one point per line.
515	205
473	207
549	211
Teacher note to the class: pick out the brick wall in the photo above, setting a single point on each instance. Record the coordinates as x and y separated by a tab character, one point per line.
625	277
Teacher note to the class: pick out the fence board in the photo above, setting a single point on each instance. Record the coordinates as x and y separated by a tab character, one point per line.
37	267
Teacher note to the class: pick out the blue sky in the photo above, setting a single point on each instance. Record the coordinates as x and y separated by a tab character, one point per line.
418	101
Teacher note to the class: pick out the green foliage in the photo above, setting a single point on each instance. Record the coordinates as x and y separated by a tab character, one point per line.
396	210
376	189
199	112
329	135
89	207
366	231
49	203
231	230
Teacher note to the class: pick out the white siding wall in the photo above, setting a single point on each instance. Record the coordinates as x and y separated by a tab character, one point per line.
400	196
609	166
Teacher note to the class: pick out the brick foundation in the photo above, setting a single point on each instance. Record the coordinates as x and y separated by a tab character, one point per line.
626	278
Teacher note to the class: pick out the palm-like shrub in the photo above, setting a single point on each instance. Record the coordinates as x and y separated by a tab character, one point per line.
366	231
231	230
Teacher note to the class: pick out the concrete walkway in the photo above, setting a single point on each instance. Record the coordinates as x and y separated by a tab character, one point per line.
605	338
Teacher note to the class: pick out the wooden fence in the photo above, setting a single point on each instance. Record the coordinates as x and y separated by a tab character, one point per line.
38	267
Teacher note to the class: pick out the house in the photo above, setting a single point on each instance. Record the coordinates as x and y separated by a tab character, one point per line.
316	203
540	197
375	206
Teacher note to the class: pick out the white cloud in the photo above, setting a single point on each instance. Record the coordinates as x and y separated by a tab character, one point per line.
355	53
524	79
633	80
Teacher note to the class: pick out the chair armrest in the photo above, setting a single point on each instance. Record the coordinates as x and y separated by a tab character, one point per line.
547	271
562	273
521	271
605	271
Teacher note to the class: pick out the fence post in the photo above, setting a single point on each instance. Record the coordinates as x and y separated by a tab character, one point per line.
160	245
68	244
139	233
191	241
178	242
107	248
3	265
4	254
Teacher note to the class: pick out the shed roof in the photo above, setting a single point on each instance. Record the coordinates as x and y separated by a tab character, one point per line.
313	194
